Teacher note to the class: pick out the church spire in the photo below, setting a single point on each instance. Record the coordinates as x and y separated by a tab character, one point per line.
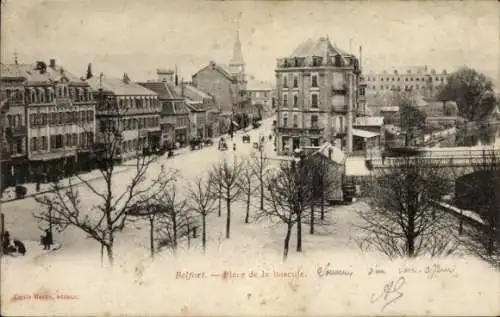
237	58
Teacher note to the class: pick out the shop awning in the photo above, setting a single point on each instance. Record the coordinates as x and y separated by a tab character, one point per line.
364	134
51	156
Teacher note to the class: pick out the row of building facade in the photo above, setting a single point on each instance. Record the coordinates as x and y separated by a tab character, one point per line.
54	121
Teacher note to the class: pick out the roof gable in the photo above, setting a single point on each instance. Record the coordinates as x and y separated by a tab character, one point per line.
218	68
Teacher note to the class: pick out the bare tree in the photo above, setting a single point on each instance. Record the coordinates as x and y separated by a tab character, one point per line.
288	195
479	191
403	220
111	199
259	164
175	222
216	190
226	176
151	212
324	177
202	202
247	186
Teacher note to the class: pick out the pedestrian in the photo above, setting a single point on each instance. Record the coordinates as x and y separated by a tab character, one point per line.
383	158
5	241
47	240
234	146
21	248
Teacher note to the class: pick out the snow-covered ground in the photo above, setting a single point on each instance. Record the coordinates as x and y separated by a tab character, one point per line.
138	285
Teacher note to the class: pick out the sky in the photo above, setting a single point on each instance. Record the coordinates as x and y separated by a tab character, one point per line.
137	37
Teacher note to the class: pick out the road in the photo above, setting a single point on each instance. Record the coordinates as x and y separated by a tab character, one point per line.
19	214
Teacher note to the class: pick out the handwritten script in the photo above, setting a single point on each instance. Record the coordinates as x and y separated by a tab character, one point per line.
390	293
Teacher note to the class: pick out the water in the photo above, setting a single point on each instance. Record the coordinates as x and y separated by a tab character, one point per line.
474	137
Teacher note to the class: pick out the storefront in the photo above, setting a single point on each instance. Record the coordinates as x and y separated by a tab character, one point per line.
181	136
49	167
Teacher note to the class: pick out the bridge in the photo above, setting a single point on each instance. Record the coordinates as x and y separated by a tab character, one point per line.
436	158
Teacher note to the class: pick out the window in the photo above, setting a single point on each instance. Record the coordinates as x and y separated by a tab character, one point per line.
285	100
285	121
295	100
285	83
53	141
314	100
19	146
295	121
67	141
361	91
314	122
314	81
295	82
44	143
75	139
32	145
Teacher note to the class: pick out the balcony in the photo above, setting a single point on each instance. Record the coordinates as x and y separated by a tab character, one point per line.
63	102
315	130
289	130
16	131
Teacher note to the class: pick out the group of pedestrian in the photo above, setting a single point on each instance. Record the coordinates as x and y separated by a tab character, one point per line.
12	246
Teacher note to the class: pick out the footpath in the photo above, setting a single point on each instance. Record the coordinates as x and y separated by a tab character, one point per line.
9	194
34	251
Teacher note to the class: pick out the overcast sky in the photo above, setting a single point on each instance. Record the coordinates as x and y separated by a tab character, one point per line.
139	36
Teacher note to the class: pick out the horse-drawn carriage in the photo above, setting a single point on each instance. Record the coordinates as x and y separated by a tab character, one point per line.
196	144
222	145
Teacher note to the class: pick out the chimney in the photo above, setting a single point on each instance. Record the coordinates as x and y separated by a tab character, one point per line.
52	63
126	79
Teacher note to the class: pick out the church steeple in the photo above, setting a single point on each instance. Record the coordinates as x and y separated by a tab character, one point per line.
237	64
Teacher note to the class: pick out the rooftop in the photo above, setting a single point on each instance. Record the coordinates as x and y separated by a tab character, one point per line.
34	74
163	89
119	87
319	47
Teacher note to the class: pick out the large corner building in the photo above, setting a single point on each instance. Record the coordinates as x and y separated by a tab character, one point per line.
319	93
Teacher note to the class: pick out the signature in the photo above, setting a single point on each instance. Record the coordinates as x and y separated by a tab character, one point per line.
390	293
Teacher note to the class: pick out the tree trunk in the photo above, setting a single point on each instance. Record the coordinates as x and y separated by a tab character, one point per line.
152	237
261	179
410	236
109	251
322	201
299	232
247	216
228	218
220	203
174	228
204	233
311	227
287	241
102	255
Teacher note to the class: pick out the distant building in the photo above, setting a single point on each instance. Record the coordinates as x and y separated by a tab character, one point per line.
419	79
174	120
226	84
261	96
50	122
129	110
201	103
319	92
368	133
